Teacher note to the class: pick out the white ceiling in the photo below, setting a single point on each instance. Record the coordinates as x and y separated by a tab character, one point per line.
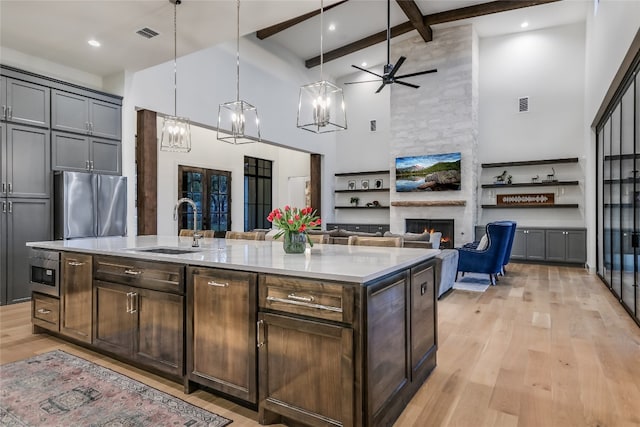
59	30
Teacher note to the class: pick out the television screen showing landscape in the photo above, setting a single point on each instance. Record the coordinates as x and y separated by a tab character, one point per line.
434	172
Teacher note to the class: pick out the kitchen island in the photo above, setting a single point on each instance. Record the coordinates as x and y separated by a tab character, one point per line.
340	335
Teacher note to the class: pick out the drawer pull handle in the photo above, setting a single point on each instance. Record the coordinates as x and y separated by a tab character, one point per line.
75	263
260	325
219	285
298	298
133	272
305	304
44	311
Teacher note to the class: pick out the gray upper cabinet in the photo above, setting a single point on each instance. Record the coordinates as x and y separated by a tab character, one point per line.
25	166
76	113
85	154
25	103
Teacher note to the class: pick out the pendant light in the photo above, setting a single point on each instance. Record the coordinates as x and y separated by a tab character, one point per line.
176	131
321	105
238	120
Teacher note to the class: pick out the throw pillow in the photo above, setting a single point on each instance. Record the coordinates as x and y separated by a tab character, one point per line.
484	242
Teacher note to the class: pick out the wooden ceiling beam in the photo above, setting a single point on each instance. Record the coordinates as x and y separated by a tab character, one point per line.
411	9
429	20
281	26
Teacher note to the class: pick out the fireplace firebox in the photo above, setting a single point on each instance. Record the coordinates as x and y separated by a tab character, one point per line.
444	226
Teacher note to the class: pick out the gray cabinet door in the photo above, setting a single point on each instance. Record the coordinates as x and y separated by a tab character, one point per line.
519	248
28	165
536	245
27	103
105	119
28	220
3	251
556	245
576	246
69	112
106	156
3	160
69	152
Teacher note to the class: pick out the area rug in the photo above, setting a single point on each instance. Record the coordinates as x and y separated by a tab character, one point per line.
473	282
59	389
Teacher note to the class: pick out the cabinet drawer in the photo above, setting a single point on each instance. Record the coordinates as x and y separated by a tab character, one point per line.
45	311
323	300
143	274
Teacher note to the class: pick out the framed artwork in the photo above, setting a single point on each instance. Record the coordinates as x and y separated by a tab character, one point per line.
351	185
377	184
364	184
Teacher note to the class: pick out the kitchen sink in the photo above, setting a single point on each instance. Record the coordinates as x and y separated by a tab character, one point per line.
168	251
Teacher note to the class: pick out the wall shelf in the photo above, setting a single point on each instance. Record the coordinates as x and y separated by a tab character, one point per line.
622	157
572	205
530	162
622	181
371	190
362	207
422	203
531	184
362	173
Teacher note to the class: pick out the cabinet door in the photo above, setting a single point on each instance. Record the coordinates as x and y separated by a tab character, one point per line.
76	296
3	252
114	324
28	162
576	246
28	220
387	332
423	319
27	103
105	119
69	152
105	157
160	324
556	250
519	248
69	112
295	353
535	244
222	331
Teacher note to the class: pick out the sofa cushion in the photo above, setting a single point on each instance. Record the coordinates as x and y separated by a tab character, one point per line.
415	237
345	233
484	242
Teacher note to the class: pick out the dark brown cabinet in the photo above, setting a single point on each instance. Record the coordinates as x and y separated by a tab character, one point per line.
45	312
305	338
76	296
139	312
424	321
221	331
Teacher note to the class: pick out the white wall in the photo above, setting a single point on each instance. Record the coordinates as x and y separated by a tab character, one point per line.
207	152
547	66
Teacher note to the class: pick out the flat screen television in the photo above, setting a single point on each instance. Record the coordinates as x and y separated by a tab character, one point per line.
430	172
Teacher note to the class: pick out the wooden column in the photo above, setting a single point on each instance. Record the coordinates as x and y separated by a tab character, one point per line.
316	182
147	173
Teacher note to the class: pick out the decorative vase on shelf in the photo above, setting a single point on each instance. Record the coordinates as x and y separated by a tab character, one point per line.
294	242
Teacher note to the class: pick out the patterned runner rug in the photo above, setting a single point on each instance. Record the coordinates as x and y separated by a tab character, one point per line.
59	389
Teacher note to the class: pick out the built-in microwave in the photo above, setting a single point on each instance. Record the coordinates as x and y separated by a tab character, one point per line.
44	271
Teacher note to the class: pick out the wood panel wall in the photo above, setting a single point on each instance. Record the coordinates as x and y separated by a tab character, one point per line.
147	173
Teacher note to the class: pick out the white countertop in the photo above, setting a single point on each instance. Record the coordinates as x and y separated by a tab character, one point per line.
359	264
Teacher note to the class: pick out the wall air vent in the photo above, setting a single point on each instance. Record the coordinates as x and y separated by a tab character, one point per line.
147	33
523	104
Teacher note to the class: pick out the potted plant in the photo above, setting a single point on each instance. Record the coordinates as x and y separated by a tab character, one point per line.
354	201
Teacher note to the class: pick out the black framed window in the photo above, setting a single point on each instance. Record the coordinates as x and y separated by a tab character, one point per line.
257	192
210	189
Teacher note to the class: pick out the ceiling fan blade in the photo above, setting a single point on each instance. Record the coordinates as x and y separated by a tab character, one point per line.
407	84
381	87
361	81
397	66
366	71
417	74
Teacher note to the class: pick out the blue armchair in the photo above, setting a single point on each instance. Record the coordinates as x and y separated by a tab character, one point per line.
512	235
490	260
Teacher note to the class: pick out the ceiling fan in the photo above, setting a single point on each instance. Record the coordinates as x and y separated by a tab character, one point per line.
390	69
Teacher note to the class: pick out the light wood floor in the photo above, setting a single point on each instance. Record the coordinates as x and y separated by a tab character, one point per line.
547	346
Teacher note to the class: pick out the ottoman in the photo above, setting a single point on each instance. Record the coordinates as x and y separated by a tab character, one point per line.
448	267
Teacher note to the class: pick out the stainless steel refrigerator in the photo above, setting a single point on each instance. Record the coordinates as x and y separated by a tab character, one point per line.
89	205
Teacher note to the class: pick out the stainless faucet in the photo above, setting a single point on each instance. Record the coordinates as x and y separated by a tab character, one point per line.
196	236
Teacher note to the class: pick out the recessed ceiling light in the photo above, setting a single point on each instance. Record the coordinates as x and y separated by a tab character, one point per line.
332	27
94	43
364	64
525	24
